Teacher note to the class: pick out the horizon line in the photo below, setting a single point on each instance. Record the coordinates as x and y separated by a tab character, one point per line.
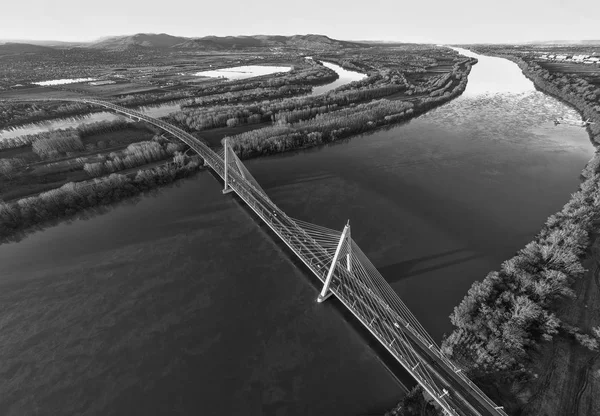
106	37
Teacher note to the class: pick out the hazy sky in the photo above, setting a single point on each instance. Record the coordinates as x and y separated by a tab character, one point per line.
447	21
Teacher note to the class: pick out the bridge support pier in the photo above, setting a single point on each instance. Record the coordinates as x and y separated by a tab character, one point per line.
226	188
325	293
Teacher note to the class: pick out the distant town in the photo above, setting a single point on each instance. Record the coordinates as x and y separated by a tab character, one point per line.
586	59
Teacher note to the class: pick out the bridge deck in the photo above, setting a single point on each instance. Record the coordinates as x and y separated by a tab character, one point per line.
385	323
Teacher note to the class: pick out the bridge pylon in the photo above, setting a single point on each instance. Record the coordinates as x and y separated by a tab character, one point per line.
345	238
226	187
360	287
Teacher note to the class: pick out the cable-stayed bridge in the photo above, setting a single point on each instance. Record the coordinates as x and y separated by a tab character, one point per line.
346	273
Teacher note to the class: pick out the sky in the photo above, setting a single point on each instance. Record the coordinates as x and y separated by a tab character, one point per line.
437	21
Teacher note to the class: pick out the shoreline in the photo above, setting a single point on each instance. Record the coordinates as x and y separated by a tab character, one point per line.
8	234
546	89
568	236
422	106
22	217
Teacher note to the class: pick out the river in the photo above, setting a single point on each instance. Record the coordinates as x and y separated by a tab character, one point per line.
344	77
183	303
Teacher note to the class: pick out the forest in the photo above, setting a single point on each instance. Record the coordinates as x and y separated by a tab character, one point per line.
54	141
299	80
19	216
277	110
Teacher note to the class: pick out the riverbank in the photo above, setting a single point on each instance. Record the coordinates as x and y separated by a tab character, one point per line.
565	381
339	124
20	217
301	132
543	80
526	333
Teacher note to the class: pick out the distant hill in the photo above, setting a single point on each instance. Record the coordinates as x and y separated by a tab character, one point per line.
11	48
140	40
217	43
51	43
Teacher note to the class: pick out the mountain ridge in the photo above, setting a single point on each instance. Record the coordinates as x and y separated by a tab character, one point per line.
165	41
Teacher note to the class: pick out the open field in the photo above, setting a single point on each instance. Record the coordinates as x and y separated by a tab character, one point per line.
35	92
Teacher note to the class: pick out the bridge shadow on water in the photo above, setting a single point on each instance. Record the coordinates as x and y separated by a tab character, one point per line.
410	268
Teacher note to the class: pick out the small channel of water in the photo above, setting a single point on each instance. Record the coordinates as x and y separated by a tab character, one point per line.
163	110
345	77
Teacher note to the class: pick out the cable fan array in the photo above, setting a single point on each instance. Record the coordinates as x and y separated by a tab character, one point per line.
363	289
234	163
353	279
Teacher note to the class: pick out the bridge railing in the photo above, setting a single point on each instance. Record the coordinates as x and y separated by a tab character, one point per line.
312	254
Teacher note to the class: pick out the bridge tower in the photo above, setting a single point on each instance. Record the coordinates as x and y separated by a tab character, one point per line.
226	187
345	238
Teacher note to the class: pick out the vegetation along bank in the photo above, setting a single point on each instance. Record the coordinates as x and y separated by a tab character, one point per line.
513	327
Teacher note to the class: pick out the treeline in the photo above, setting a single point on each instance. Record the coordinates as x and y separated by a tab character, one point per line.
295	80
16	113
100	127
56	143
439	85
8	167
206	118
66	201
321	129
57	137
503	319
256	94
339	123
383	76
454	86
136	154
347	63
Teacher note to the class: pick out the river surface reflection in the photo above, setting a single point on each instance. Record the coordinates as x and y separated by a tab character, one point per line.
184	301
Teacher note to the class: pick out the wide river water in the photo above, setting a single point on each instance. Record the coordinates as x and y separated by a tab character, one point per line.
183	303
